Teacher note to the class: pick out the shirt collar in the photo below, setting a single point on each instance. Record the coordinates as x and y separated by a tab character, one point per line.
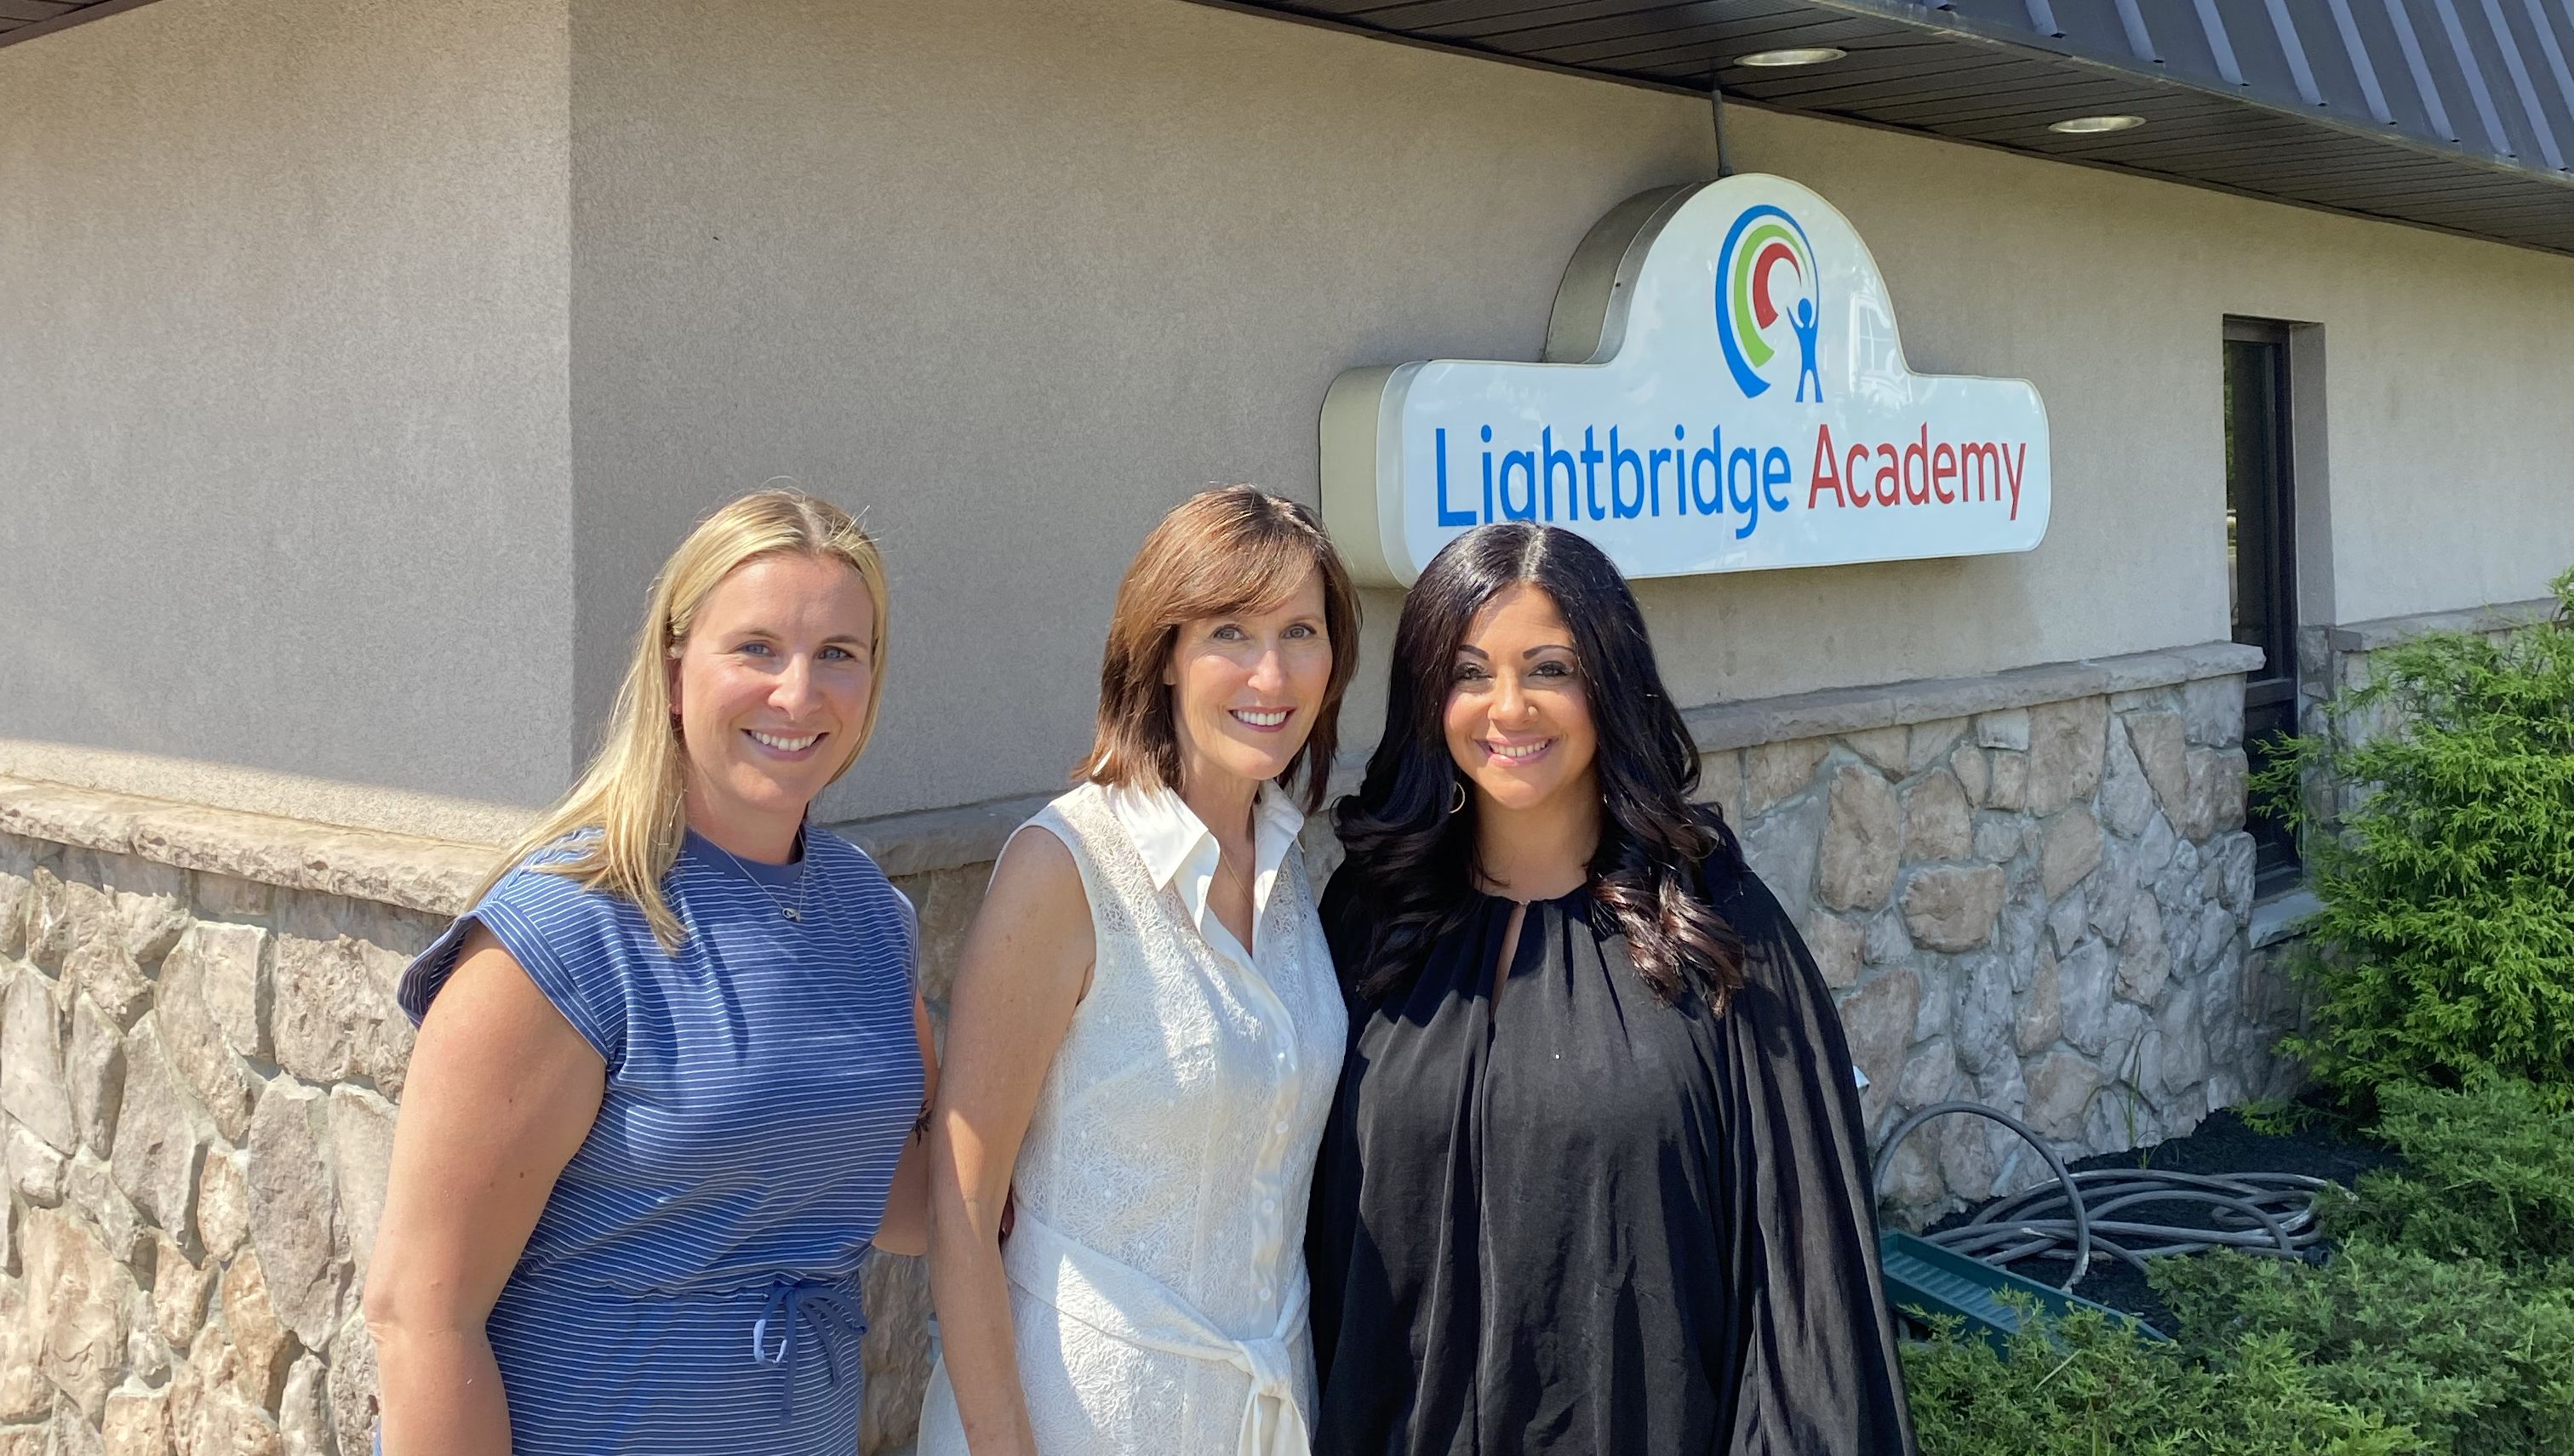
1167	832
1177	846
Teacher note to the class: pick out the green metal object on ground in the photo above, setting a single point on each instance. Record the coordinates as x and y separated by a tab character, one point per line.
1922	1276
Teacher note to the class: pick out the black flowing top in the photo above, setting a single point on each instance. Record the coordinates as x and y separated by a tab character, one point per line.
1580	1221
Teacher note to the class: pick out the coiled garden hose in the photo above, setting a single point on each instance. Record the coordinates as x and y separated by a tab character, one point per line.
2271	1213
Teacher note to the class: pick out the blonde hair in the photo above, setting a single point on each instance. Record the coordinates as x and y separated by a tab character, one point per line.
632	799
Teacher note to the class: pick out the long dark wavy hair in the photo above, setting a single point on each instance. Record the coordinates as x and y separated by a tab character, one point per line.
1415	859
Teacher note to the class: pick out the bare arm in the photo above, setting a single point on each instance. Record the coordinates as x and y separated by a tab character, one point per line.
500	1092
1025	967
905	1230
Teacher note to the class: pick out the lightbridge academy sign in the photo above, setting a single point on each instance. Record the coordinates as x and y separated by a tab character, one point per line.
1723	391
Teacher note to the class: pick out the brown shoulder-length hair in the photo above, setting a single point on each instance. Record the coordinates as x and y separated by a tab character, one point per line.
1236	548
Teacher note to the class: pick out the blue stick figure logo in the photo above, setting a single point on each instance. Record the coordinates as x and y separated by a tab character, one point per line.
1766	284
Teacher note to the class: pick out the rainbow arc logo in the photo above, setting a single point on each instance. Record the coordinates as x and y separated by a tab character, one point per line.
1769	302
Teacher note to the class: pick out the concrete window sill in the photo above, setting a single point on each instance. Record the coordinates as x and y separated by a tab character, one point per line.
2282	916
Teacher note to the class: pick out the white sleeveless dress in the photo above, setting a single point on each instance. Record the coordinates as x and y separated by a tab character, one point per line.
1157	1265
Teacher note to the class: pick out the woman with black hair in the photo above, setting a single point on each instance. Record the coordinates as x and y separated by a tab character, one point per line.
1595	1178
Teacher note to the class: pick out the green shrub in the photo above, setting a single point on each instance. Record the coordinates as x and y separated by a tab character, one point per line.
2445	946
2473	1359
2084	1386
2441	978
2380	1351
2488	1175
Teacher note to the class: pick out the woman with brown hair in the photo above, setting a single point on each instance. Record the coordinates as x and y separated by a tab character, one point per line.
1145	1031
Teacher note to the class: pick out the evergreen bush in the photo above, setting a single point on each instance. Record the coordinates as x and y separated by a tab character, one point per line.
2085	1387
2475	1361
2488	1175
2446	945
2381	1350
2441	980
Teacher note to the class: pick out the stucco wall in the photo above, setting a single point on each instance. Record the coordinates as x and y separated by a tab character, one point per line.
2449	394
1016	277
363	359
2449	387
283	441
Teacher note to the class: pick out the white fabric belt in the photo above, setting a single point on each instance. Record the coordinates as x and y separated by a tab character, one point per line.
1133	1308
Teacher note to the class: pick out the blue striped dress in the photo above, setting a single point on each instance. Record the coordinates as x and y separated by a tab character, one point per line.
692	1286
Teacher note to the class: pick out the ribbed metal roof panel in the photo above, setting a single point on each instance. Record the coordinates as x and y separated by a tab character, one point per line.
23	20
2473	75
2457	114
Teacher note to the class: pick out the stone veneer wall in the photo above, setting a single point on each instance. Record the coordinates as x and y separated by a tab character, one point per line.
2335	661
200	1057
2040	906
197	1068
2028	889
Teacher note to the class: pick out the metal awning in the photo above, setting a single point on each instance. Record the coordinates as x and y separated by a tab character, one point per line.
27	19
2452	113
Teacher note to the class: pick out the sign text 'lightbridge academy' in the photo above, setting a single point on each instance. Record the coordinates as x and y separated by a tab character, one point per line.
1723	390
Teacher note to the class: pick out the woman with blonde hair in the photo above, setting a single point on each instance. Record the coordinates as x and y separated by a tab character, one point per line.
1145	1030
671	1064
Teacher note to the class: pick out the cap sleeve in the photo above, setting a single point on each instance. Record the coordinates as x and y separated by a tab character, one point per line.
862	889
910	935
574	942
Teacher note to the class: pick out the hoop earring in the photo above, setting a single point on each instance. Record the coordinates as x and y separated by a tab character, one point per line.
1457	797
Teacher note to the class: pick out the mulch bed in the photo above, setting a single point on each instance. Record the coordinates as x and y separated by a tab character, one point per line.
2325	1146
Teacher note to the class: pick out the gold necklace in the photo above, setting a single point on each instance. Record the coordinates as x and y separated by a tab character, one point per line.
1240	875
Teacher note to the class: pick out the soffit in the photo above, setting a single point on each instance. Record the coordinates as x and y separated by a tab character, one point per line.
2453	114
22	20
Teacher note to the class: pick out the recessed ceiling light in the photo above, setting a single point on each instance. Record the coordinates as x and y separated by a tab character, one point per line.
2085	125
1794	56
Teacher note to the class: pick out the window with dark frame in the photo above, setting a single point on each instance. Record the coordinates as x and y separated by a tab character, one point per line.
2261	562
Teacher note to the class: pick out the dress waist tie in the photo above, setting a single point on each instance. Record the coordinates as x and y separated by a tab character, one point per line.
826	1312
1125	1305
